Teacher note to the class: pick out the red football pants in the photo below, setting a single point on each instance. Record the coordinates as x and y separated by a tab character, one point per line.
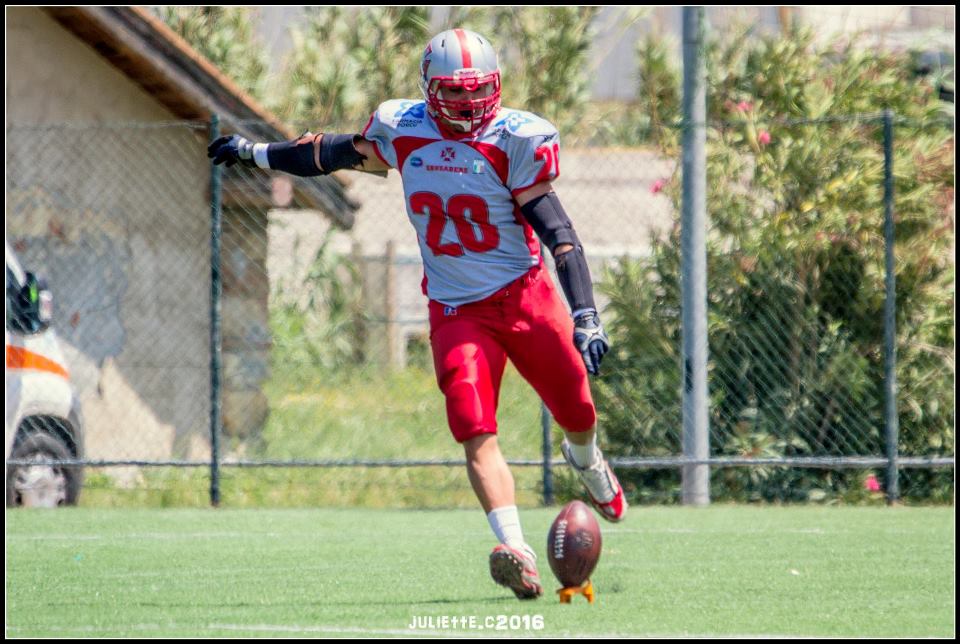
526	322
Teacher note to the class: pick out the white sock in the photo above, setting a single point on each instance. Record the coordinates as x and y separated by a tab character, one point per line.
585	455
505	523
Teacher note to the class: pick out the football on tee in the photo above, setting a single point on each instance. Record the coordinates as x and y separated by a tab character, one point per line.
573	544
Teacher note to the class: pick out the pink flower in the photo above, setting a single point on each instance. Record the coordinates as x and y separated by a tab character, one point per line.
658	186
872	484
763	137
744	106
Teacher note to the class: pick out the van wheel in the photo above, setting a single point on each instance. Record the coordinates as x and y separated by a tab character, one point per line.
43	486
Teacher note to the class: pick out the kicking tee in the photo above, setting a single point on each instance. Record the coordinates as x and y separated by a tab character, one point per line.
459	194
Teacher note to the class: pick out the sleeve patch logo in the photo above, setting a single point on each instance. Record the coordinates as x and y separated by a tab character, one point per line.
514	121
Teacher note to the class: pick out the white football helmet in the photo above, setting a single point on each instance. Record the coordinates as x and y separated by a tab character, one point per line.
464	62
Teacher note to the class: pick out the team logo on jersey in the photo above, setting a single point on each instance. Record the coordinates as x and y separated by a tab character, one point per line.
448	154
449	310
416	162
478	166
514	121
411	110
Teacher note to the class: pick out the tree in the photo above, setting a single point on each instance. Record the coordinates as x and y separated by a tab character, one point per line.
224	35
544	59
345	62
795	283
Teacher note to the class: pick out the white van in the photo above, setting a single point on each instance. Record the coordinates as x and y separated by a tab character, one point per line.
42	420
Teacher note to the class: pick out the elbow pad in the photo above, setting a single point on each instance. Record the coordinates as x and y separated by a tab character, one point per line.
304	158
546	216
338	153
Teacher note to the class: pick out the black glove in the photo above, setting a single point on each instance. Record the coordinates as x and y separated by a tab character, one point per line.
230	150
590	340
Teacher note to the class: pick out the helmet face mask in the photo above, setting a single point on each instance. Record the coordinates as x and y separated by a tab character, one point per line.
460	80
465	103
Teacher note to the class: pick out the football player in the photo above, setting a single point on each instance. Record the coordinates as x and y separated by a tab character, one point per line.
477	180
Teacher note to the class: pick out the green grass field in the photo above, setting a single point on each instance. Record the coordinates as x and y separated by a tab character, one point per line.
667	571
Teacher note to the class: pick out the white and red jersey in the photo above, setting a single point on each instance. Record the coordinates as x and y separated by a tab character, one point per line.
460	192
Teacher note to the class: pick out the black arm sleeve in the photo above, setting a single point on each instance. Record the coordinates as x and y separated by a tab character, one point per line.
554	228
574	276
300	156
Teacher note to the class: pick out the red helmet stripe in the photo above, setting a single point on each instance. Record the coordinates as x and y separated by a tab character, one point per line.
464	49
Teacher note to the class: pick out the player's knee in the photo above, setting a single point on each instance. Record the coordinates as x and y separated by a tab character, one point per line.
479	445
463	398
578	417
466	434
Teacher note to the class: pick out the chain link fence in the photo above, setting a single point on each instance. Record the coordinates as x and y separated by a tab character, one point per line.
323	389
123	241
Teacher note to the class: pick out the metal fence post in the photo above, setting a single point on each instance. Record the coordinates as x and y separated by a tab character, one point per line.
216	289
890	316
547	456
696	439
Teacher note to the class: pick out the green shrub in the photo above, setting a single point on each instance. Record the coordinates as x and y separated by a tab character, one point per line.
319	324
